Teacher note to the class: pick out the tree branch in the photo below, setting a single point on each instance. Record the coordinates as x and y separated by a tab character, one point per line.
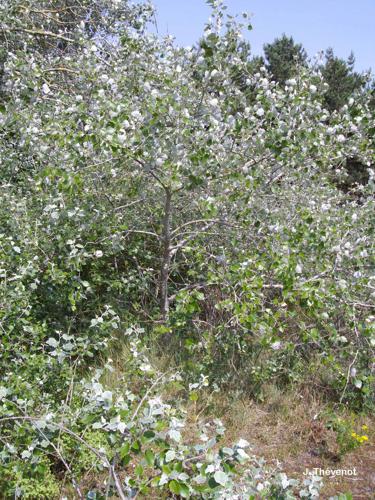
48	34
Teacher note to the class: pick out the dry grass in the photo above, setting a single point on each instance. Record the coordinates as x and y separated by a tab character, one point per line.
291	429
288	429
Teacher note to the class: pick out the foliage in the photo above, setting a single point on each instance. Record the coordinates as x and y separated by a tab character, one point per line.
183	191
99	430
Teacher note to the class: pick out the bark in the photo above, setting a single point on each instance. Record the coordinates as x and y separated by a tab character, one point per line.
166	257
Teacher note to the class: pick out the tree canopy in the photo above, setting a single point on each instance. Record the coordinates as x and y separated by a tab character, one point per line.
168	201
284	57
343	81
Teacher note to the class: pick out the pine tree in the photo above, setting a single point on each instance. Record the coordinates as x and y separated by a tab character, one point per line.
341	78
283	57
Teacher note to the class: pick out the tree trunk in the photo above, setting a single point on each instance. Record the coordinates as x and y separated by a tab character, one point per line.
166	258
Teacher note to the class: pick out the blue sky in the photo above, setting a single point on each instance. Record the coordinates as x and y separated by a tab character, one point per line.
344	25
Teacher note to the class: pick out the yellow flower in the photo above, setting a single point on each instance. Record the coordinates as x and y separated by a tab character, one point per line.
364	427
364	438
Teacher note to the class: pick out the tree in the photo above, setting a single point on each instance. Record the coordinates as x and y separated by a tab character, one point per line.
146	194
341	78
283	57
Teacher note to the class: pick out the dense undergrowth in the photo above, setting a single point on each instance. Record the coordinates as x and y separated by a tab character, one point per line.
174	229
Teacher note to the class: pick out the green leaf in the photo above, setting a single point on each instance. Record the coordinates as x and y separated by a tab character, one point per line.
136	446
184	490
174	487
148	435
149	457
138	470
212	483
125	459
